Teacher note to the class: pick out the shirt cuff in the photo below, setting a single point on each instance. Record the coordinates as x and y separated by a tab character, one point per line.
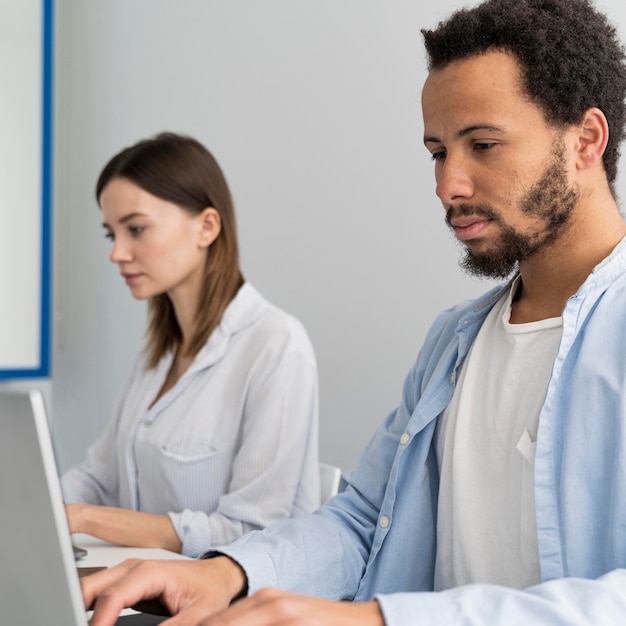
406	609
257	565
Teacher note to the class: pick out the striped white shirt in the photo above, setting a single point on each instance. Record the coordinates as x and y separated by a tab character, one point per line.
232	447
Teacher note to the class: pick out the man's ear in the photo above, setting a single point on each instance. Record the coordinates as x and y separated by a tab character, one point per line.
593	135
210	226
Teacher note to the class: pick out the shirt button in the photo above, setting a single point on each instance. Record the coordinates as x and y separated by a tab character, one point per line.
148	422
404	439
384	521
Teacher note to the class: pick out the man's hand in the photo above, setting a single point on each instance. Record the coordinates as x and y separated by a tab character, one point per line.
270	607
198	593
190	590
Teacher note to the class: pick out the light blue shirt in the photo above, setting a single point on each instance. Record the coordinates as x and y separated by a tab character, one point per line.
377	539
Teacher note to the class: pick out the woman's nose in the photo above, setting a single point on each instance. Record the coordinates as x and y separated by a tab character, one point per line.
120	252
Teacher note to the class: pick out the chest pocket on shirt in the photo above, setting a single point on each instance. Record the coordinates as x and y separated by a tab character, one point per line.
193	474
188	450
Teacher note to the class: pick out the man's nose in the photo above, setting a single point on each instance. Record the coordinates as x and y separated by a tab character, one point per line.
454	182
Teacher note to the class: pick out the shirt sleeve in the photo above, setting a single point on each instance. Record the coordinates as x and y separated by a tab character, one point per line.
561	602
95	481
325	554
275	472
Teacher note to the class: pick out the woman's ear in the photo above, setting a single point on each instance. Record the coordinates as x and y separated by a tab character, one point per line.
210	226
593	135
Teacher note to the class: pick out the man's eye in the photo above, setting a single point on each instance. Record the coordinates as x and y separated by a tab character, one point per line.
439	155
483	145
109	236
136	230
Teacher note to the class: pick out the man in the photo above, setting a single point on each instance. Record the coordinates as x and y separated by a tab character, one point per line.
500	480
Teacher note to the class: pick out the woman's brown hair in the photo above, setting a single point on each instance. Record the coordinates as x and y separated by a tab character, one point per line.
181	170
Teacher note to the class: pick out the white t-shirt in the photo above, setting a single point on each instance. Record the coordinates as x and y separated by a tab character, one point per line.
485	442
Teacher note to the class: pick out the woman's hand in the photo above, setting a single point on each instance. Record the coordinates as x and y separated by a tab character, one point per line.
123	527
72	511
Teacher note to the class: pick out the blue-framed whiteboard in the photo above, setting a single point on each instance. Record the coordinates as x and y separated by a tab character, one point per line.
26	122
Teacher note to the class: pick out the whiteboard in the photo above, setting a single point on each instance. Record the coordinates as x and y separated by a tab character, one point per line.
26	57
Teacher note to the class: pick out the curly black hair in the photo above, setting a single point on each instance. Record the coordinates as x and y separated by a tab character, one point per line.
570	55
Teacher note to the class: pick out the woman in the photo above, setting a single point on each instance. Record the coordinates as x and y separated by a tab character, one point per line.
215	432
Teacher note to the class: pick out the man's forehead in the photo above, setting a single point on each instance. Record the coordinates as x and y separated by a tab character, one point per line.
493	69
480	90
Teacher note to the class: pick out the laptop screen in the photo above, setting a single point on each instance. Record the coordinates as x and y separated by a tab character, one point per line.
38	579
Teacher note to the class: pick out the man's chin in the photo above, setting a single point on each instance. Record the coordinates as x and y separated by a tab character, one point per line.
488	265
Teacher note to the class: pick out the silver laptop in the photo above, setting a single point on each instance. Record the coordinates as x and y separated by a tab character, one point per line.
38	575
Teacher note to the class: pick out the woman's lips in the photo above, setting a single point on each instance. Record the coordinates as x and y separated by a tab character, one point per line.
131	279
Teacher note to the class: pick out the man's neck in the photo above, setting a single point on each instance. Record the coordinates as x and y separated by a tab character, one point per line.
556	273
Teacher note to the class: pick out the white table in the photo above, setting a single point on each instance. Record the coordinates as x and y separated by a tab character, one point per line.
103	554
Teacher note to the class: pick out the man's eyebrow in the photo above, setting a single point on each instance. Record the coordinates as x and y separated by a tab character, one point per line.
466	131
124	219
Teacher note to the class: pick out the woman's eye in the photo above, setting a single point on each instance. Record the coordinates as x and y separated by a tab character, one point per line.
109	236
439	155
136	230
483	145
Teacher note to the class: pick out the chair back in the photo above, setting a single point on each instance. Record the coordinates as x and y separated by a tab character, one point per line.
330	475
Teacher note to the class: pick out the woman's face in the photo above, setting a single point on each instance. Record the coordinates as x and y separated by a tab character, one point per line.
158	246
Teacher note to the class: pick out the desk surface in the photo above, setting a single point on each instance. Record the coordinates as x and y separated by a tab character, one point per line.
103	554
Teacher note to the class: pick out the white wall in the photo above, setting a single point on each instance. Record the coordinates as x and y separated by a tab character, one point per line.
20	185
312	108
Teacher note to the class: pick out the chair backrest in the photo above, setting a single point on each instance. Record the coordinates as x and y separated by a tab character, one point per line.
330	475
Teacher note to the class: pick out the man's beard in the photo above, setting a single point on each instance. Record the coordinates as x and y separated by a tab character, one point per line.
550	199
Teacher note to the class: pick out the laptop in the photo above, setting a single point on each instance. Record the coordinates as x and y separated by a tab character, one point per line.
39	581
